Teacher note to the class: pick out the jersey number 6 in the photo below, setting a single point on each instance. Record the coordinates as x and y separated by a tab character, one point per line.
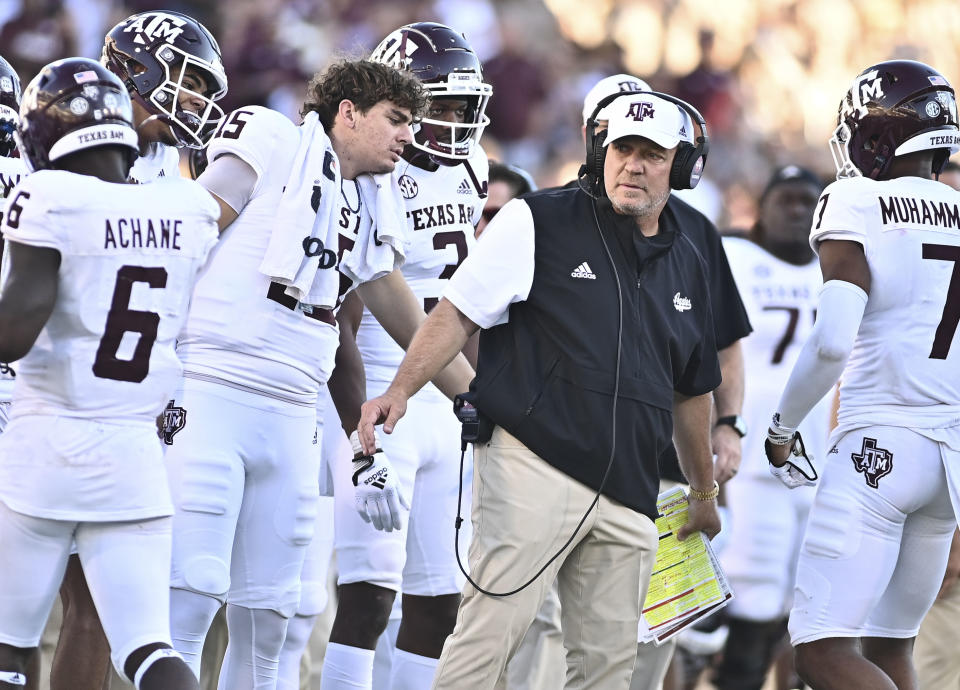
121	319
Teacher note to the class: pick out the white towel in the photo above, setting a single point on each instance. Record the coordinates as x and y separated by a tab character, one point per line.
379	247
311	277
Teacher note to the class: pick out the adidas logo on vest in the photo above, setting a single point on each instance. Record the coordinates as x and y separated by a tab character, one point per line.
583	271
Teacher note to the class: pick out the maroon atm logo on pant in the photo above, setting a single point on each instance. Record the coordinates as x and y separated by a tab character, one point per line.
172	420
873	462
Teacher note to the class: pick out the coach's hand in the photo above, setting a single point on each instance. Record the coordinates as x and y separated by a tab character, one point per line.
702	516
377	492
386	409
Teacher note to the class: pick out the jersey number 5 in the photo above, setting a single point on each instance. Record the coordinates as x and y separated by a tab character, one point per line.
122	319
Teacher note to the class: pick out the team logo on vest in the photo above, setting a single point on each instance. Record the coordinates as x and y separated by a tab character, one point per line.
872	462
156	25
640	109
682	304
173	419
408	186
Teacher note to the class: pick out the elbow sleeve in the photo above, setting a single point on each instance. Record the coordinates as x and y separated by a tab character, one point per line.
839	314
824	355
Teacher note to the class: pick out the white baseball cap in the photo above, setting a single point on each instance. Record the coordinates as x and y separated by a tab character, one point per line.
647	116
607	87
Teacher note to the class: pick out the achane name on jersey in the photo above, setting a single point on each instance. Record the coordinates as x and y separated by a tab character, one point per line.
124	233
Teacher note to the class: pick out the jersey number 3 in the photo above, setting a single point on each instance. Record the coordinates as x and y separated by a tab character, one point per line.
122	319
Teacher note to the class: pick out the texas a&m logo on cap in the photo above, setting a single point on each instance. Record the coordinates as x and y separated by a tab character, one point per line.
640	109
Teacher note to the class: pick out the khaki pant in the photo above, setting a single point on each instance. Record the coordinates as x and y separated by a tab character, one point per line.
524	510
935	652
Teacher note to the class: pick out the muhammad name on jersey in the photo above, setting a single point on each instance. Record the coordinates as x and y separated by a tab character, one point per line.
142	233
440	215
901	210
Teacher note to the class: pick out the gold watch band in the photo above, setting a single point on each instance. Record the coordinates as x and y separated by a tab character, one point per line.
705	495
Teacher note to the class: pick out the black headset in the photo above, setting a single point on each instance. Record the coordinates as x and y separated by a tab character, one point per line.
688	163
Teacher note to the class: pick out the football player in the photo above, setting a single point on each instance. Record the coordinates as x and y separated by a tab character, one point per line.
443	178
779	278
11	170
888	238
98	285
172	69
243	463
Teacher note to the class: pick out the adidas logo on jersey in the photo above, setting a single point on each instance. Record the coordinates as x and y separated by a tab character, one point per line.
464	188
681	304
583	271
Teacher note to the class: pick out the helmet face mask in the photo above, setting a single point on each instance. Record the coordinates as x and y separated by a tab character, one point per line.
72	105
892	109
153	52
449	69
9	107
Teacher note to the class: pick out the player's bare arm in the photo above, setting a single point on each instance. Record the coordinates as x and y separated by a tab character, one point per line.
29	295
398	310
728	399
348	382
436	343
691	434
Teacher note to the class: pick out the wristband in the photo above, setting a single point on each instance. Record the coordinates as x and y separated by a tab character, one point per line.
778	434
705	495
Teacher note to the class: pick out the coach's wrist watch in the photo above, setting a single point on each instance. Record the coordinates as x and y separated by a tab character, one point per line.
736	421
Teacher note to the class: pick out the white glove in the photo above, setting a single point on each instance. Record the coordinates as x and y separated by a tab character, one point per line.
794	472
377	491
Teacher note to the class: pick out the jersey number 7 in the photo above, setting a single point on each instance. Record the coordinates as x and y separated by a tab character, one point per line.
947	327
121	319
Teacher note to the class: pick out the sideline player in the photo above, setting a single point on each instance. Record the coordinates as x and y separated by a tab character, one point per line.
99	282
12	170
172	69
255	351
443	178
879	532
779	278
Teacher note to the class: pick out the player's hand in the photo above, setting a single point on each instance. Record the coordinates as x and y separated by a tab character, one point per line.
702	516
727	448
386	409
789	461
377	492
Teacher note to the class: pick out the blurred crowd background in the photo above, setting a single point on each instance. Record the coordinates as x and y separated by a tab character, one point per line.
767	74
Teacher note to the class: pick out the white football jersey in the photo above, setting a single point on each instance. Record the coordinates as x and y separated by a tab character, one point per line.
244	329
443	208
11	172
781	301
903	370
130	256
160	161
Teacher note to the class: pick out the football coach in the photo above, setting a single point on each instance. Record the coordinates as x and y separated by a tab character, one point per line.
596	346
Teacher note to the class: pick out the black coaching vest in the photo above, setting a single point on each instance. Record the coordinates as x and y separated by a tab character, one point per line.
547	376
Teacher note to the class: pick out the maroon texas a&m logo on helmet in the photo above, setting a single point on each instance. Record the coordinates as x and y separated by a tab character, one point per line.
894	108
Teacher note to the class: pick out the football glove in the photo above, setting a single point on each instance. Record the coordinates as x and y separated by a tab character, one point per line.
798	470
377	493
